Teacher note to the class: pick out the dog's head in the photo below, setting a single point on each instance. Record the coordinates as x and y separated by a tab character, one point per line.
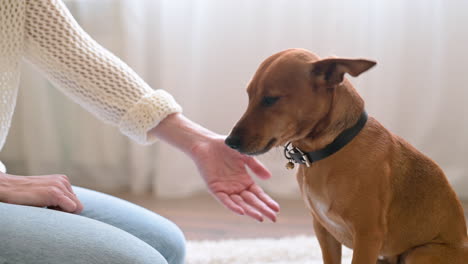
288	95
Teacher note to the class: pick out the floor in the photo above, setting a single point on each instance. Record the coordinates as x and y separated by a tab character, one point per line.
202	218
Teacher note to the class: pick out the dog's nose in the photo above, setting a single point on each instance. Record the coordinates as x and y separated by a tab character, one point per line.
233	142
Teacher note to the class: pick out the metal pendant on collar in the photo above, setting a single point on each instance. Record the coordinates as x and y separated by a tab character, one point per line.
290	165
295	155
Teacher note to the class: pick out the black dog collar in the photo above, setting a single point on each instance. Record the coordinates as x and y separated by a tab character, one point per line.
295	155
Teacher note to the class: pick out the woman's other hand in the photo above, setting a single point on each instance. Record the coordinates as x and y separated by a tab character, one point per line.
53	191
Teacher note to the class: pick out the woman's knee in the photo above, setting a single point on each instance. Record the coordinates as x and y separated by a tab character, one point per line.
157	231
166	238
171	245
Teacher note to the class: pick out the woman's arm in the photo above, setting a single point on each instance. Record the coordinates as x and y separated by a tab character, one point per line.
91	75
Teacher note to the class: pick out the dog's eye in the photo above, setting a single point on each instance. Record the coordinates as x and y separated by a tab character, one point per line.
269	100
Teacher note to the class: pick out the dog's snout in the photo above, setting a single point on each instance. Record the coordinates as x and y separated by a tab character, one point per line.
233	141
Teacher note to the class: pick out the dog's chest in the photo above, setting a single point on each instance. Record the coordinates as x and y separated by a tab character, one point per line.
323	206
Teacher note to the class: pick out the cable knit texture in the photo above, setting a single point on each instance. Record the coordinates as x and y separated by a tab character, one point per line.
45	33
11	42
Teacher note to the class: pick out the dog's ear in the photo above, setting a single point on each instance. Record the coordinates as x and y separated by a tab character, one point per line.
330	72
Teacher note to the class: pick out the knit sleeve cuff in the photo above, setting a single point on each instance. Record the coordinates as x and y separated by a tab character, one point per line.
146	114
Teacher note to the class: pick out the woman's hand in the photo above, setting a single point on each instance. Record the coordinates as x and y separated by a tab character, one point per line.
53	191
224	171
222	168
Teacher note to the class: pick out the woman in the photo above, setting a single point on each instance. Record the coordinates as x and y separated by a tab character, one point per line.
94	227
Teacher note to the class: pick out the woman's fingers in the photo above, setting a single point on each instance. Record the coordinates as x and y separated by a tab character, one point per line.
60	196
259	205
264	197
249	210
250	203
66	204
66	188
229	203
74	198
63	179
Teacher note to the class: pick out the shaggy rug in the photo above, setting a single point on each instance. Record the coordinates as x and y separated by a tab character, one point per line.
291	250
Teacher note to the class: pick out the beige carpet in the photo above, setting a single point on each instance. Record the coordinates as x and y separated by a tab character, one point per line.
291	250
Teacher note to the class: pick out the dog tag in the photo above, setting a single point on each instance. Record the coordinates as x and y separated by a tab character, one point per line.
290	165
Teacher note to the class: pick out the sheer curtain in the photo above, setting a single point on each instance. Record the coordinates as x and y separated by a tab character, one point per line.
205	52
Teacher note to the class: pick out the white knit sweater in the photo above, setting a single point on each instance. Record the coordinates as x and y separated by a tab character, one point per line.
45	34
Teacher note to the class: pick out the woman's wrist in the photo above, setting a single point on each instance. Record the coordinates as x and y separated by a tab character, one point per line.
182	133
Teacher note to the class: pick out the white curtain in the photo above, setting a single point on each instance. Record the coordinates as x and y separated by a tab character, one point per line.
205	52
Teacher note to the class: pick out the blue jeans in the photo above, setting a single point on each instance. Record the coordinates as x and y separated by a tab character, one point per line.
109	230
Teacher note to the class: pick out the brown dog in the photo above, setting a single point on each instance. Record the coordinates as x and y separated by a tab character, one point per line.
376	194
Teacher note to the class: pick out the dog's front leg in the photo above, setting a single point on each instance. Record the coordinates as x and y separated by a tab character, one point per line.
366	248
331	248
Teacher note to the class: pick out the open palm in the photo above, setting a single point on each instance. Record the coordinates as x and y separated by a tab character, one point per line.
224	171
